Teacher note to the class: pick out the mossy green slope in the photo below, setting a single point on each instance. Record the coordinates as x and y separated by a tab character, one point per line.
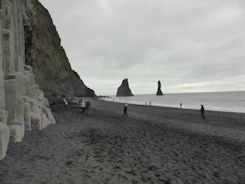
45	54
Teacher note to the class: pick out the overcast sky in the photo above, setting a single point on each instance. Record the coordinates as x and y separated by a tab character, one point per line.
190	45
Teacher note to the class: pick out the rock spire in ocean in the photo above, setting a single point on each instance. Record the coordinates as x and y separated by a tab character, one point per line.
124	89
159	91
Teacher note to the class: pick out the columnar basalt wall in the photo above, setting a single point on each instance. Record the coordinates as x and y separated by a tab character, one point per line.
23	106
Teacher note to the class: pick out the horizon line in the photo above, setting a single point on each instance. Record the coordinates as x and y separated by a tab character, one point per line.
183	92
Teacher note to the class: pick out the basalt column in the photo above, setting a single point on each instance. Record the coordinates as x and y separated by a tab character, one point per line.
22	105
14	68
4	130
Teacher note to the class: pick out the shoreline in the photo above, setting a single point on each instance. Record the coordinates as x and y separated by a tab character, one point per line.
214	101
210	110
226	125
152	145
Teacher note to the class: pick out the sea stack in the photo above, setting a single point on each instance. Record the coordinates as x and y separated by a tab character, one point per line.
124	89
159	91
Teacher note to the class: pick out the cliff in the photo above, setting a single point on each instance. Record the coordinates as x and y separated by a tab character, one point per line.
47	57
23	106
124	89
159	90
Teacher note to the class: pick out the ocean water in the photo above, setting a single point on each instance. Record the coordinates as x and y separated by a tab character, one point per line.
217	101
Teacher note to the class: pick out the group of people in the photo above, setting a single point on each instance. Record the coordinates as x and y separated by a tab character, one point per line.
147	103
53	102
85	104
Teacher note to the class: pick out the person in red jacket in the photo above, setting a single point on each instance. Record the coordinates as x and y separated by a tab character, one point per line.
52	103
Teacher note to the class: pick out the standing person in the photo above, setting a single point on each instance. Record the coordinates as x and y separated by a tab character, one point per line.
202	111
180	105
125	109
83	105
88	106
65	102
52	103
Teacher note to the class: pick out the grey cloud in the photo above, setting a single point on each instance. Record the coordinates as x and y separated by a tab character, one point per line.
190	45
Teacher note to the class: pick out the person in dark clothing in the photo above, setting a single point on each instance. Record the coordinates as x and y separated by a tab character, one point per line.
88	106
202	111
125	109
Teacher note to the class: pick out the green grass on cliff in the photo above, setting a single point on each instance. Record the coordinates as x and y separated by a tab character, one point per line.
48	51
45	54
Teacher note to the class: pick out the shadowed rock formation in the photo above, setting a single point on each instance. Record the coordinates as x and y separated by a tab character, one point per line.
23	106
159	91
47	57
124	89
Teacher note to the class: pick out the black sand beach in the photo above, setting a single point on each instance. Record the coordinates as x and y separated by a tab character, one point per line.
154	145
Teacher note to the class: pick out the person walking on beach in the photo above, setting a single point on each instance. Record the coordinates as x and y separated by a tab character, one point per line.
65	102
52	103
180	105
125	109
83	105
202	111
88	106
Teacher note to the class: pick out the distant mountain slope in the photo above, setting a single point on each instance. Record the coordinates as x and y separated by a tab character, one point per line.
45	54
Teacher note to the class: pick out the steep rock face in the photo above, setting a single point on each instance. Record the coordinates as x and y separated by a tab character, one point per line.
47	57
159	91
23	106
124	89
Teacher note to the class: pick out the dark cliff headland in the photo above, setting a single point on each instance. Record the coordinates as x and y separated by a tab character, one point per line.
45	54
30	43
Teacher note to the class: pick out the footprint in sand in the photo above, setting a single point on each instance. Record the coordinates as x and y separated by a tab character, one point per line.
116	167
69	163
134	182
